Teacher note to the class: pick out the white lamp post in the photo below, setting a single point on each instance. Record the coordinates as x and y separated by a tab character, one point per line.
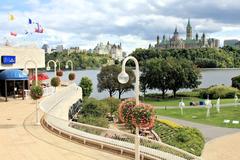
55	66
36	83
59	64
69	61
123	78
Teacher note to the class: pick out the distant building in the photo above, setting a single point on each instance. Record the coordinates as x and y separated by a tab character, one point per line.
73	49
237	45
231	43
59	48
109	49
176	42
46	48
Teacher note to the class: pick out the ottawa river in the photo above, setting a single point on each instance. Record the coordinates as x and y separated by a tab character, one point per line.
209	77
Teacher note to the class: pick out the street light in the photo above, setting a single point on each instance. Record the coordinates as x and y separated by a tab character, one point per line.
123	78
55	66
67	66
36	83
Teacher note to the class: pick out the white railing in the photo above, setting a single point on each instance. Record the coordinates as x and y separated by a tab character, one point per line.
48	91
105	137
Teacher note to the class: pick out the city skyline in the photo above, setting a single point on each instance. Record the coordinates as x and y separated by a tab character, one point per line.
133	23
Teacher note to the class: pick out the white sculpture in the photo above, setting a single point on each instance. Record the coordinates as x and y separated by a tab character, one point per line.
235	100
208	105
181	105
218	105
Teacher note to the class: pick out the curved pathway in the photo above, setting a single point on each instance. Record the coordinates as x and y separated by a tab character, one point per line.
20	139
223	148
209	132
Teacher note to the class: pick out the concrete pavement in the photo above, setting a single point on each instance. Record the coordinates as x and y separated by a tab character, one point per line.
20	139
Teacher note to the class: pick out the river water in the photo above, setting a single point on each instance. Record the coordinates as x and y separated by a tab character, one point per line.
209	77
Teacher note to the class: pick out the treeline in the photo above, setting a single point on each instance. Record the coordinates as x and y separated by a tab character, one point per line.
81	60
226	57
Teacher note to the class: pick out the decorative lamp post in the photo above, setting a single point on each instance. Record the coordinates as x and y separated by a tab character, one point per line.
123	78
67	66
59	64
55	66
181	105
218	105
36	83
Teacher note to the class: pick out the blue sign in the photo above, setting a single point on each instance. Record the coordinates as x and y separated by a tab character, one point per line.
8	59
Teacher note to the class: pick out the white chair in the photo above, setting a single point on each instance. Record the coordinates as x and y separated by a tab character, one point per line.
235	122
226	121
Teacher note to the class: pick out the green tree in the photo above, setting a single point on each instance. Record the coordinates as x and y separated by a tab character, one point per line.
86	85
169	74
108	80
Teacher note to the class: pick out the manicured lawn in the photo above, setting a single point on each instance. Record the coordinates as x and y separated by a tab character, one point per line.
199	115
187	100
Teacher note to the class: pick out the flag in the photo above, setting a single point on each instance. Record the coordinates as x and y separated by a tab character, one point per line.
13	34
30	21
39	28
11	17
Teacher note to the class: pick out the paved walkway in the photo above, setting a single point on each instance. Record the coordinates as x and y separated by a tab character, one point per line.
223	148
209	132
20	139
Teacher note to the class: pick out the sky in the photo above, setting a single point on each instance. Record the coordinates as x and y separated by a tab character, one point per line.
134	23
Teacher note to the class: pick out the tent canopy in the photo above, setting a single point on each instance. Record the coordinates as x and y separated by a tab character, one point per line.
13	74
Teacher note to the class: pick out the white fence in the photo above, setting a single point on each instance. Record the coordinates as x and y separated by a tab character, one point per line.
117	139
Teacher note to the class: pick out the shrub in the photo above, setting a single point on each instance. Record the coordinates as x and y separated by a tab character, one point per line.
60	73
188	139
236	82
217	91
93	107
112	104
188	94
95	121
55	81
169	123
71	76
36	92
86	85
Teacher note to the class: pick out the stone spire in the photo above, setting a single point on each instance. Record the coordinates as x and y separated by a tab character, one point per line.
189	30
158	40
197	36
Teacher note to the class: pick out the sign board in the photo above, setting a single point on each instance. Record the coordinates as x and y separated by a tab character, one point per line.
8	59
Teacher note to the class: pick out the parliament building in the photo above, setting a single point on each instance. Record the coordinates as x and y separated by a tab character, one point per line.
190	42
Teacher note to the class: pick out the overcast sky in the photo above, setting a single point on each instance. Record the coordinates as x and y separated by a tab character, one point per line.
134	23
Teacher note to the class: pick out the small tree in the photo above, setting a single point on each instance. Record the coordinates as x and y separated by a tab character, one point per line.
60	73
36	92
108	80
55	81
71	76
86	85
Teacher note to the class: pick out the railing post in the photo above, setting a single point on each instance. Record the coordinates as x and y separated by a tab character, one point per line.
137	144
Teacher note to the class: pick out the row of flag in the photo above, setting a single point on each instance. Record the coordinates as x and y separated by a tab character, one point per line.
38	28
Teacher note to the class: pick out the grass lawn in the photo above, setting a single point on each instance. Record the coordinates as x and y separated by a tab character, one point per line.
175	101
199	115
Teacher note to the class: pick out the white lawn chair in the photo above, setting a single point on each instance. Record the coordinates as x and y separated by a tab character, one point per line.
235	122
226	121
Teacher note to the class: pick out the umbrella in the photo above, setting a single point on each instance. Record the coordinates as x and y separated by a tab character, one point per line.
41	77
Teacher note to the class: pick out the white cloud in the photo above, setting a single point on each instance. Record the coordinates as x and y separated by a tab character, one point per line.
134	23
